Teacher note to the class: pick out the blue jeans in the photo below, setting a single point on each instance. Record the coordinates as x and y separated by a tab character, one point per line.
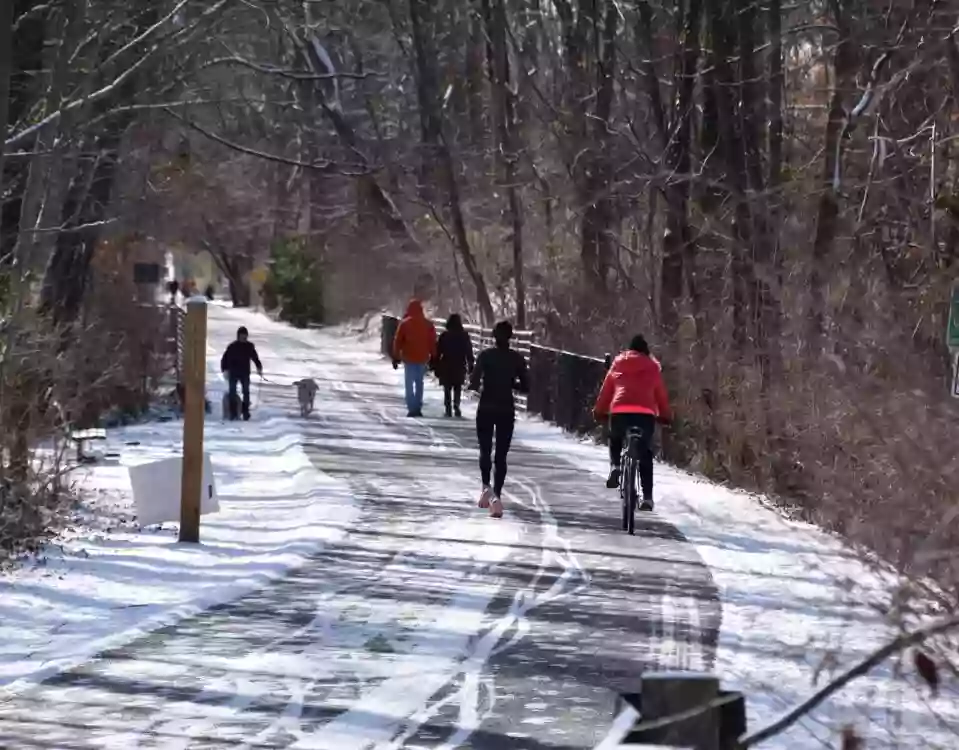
414	375
243	380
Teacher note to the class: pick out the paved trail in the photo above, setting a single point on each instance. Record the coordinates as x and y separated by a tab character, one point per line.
428	626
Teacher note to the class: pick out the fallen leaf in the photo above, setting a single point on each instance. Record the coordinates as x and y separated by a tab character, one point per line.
851	740
927	669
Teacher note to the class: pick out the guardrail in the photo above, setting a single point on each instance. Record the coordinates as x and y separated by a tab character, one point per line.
563	385
482	338
171	343
678	710
671	710
176	340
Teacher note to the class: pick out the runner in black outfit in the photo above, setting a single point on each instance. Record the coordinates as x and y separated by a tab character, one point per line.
499	370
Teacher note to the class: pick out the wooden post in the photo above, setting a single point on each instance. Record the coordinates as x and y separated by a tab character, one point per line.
194	399
668	694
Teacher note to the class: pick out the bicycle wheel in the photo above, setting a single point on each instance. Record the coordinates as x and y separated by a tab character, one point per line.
629	505
624	490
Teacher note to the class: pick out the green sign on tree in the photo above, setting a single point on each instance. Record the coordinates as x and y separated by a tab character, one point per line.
952	335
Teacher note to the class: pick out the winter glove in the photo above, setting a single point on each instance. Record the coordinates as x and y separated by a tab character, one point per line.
396	364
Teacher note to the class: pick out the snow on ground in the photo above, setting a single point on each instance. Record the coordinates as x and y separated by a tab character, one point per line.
797	604
791	595
107	581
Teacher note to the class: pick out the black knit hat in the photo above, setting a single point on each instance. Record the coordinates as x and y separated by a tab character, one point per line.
638	344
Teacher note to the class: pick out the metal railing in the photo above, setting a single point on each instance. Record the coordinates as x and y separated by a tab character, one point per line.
176	335
171	342
563	385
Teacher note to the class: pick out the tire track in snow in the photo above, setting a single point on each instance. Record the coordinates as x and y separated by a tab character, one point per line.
471	671
567	610
677	617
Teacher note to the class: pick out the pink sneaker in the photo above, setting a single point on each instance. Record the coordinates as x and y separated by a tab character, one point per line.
485	497
496	508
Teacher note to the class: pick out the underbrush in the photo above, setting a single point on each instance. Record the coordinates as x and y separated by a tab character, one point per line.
56	380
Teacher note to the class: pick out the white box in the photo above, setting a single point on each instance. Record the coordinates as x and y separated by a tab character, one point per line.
156	490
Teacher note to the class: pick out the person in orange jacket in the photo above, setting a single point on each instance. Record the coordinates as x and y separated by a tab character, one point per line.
415	346
633	395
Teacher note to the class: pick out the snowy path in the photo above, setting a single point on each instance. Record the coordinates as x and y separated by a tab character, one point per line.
426	625
412	620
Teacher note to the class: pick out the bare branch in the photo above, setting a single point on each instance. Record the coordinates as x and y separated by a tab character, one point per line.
285	73
901	643
96	96
324	165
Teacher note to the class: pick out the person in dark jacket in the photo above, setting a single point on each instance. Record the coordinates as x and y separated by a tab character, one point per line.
498	372
454	359
235	364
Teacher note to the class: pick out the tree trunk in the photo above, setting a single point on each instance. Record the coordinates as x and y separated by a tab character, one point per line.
673	130
19	62
770	302
776	82
46	183
674	134
599	218
427	93
25	54
86	205
589	39
474	83
499	72
378	196
827	212
462	239
236	266
6	70
426	76
236	270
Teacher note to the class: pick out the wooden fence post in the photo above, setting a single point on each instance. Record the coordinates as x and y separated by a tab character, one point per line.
194	401
667	695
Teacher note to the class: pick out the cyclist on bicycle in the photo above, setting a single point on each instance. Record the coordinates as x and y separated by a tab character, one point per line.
633	396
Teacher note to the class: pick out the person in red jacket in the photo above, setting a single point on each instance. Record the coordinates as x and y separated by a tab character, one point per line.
415	346
633	395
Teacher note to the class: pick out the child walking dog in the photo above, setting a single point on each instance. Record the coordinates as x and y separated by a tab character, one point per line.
235	365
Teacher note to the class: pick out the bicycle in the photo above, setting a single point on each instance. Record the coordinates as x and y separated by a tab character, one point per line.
635	443
633	447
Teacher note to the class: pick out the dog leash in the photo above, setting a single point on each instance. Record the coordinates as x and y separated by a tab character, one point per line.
259	387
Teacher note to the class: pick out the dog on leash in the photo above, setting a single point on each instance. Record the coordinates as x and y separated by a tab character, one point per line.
306	394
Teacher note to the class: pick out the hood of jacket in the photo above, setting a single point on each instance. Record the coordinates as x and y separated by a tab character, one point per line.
414	309
633	363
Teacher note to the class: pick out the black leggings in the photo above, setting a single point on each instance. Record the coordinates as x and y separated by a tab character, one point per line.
619	424
489	424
